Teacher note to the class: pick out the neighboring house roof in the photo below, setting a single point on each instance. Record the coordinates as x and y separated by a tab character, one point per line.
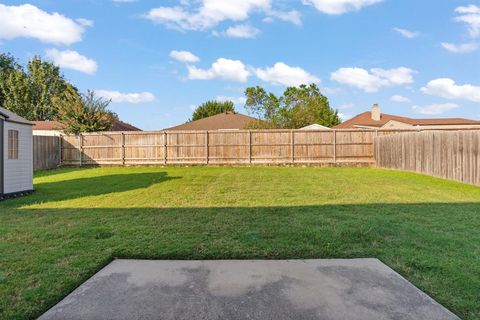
365	120
58	126
48	125
315	126
10	116
221	121
123	126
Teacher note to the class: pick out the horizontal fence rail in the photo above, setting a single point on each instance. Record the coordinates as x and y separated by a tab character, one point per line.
242	147
450	155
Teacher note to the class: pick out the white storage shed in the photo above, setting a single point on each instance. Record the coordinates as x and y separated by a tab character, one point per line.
16	155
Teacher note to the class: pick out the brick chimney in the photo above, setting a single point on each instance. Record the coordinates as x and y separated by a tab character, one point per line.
376	112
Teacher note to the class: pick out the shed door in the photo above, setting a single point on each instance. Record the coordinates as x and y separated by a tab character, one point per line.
2	141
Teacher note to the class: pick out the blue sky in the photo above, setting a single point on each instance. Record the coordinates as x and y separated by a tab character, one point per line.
159	59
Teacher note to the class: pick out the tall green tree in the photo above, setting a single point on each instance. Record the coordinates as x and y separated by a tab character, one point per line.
297	107
211	108
29	91
84	113
8	63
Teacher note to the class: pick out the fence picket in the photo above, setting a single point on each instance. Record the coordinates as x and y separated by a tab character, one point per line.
451	155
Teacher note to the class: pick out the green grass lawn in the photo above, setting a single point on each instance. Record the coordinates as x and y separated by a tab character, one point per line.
425	228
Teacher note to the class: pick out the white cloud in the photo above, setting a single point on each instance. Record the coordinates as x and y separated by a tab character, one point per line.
447	88
335	7
85	22
434	109
242	31
119	97
468	9
346	106
292	16
282	74
344	117
470	15
373	80
399	98
28	21
407	33
460	48
226	69
184	56
70	59
330	90
235	100
209	14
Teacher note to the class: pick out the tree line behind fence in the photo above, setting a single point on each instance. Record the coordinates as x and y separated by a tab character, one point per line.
451	155
221	147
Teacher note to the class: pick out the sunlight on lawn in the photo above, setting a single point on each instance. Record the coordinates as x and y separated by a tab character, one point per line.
260	186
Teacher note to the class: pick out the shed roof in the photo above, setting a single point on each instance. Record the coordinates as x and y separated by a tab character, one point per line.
221	121
12	117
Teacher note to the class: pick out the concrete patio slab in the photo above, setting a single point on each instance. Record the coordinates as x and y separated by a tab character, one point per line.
251	289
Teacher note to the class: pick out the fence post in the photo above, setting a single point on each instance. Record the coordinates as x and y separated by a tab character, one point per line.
60	150
165	151
433	153
123	149
80	138
292	146
206	147
334	146
250	146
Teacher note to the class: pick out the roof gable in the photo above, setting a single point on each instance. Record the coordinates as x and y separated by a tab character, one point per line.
315	126
221	121
123	126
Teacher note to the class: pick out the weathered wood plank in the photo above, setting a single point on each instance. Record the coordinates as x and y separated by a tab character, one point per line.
453	155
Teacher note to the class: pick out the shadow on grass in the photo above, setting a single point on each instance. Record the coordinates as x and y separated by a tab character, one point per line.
434	245
94	186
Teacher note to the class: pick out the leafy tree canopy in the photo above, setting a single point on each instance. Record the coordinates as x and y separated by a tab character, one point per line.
29	91
297	107
211	108
84	113
7	63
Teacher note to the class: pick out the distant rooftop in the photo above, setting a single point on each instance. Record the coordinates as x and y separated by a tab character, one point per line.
377	119
221	121
56	125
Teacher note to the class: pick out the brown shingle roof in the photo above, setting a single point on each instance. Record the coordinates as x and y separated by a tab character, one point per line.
56	125
48	125
123	126
221	121
365	119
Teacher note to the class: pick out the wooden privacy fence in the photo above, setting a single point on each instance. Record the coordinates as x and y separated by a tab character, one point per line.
46	152
221	147
452	155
